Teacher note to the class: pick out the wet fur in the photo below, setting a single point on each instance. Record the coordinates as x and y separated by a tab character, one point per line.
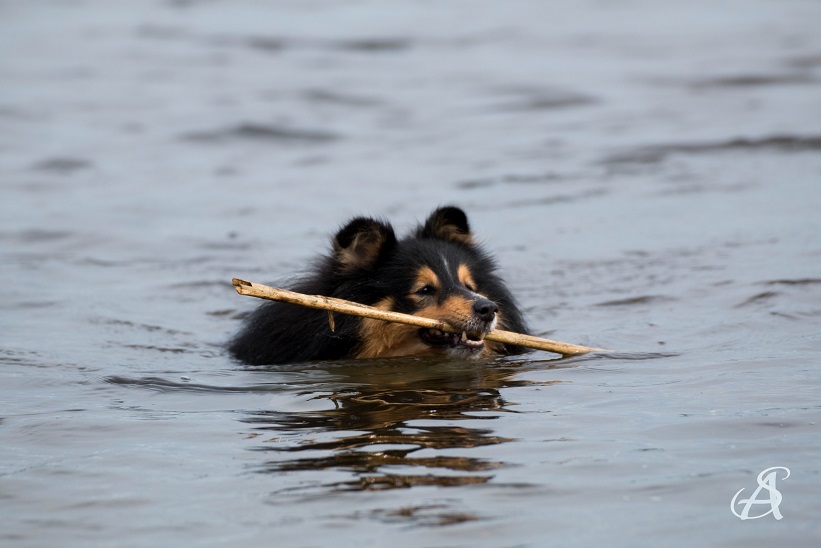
369	265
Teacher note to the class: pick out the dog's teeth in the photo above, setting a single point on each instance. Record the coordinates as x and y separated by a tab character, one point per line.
464	336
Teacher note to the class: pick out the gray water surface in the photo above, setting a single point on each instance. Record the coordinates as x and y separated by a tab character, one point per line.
647	173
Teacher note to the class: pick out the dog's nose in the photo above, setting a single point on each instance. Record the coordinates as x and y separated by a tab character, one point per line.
485	309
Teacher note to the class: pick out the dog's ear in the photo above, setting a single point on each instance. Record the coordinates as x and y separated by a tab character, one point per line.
361	243
449	224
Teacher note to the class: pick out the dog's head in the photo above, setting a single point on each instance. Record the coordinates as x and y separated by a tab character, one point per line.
437	272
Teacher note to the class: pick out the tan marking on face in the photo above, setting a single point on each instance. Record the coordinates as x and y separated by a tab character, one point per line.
425	276
388	339
466	278
454	310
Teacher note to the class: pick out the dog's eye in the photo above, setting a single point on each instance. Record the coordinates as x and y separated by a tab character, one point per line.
470	287
426	290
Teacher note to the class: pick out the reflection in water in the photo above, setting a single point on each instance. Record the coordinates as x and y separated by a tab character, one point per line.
374	428
426	515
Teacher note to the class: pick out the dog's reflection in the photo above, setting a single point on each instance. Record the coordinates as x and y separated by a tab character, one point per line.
391	416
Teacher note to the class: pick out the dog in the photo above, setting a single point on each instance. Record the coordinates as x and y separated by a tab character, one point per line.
438	271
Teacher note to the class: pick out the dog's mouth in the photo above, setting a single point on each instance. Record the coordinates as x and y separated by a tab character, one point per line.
473	341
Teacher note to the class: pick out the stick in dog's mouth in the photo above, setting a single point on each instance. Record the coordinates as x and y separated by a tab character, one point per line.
357	309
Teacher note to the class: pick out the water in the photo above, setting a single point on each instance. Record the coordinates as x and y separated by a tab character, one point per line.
648	175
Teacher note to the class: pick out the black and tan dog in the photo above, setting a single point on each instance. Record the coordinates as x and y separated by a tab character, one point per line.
438	271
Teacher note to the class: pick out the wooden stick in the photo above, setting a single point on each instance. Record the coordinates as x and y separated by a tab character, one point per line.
332	304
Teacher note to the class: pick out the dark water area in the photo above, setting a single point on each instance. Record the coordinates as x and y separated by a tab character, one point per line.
648	175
